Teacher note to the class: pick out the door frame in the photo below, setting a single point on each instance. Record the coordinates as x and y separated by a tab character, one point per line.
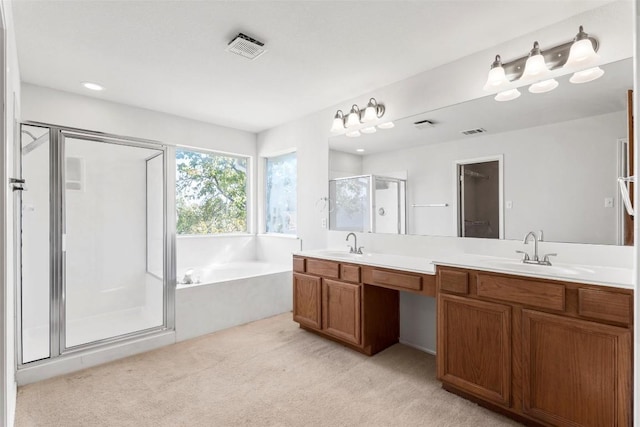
456	190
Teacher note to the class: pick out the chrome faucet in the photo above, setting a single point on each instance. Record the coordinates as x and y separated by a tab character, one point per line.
354	249
534	259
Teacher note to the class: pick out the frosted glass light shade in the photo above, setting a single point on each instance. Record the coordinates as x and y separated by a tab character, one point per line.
543	86
586	76
497	80
370	129
387	125
508	95
369	114
581	55
338	123
353	119
353	134
535	68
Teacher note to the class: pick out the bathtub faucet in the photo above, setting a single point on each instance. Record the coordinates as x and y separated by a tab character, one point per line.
188	279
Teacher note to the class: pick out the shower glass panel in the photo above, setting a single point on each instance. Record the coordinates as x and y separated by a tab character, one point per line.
113	225
35	255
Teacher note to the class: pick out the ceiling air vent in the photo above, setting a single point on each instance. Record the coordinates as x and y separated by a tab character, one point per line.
246	46
473	131
424	124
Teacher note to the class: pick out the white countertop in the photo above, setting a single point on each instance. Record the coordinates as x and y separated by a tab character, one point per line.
591	274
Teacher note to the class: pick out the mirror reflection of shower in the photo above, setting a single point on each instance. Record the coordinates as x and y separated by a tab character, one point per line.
479	200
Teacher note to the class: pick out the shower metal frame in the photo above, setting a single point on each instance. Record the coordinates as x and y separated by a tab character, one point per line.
57	285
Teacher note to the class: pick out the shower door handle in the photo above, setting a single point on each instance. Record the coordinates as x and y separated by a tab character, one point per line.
17	184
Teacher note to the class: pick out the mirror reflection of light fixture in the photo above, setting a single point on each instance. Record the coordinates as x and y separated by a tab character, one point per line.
497	78
387	125
586	76
357	117
370	129
508	95
543	86
579	54
373	111
353	119
353	134
338	122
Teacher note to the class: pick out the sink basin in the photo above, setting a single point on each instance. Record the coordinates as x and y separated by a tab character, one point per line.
340	254
517	265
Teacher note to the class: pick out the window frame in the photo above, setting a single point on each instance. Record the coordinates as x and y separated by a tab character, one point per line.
263	196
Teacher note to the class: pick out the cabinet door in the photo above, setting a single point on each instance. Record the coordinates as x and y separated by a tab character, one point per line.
307	297
575	372
341	310
474	347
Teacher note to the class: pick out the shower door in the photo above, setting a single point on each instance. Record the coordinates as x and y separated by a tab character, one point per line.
94	245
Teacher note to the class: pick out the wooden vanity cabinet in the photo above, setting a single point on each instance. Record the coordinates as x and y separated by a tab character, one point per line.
330	299
543	351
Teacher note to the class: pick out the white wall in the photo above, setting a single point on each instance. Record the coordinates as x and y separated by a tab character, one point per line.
548	188
11	99
343	164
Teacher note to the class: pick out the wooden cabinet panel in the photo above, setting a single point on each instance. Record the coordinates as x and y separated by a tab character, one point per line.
323	268
341	310
307	297
350	273
453	281
398	280
299	264
575	372
474	347
605	305
522	291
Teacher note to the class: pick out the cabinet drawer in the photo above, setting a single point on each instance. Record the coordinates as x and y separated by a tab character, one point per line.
522	291
454	281
350	273
399	280
299	264
323	268
605	305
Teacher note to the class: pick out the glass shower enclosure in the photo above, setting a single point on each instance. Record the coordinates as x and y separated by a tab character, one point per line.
93	243
368	203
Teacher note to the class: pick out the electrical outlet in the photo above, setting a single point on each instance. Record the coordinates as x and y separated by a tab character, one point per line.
323	223
509	204
608	202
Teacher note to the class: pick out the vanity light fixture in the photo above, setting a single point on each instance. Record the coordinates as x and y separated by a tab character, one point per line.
386	125
578	54
357	117
353	134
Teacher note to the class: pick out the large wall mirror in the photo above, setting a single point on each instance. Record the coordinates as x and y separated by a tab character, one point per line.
500	169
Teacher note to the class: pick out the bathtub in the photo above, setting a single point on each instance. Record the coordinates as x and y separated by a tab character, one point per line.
230	294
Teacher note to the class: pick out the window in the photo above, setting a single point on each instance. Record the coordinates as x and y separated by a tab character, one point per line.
211	193
280	194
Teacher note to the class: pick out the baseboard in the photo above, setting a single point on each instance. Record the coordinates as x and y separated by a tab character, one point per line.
418	347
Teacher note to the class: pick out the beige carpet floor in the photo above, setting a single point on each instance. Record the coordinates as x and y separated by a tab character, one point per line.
266	373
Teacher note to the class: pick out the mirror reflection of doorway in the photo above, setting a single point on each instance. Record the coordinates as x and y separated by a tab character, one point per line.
479	199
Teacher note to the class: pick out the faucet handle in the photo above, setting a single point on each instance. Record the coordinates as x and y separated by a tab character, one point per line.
351	250
525	255
545	259
360	250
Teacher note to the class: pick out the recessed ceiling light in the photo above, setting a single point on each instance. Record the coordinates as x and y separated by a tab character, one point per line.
92	86
360	150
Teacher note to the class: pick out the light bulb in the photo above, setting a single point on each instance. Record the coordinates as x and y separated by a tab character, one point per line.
508	95
586	76
353	134
497	79
582	53
543	86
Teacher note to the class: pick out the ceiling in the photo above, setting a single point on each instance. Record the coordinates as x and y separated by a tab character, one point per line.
170	56
607	94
